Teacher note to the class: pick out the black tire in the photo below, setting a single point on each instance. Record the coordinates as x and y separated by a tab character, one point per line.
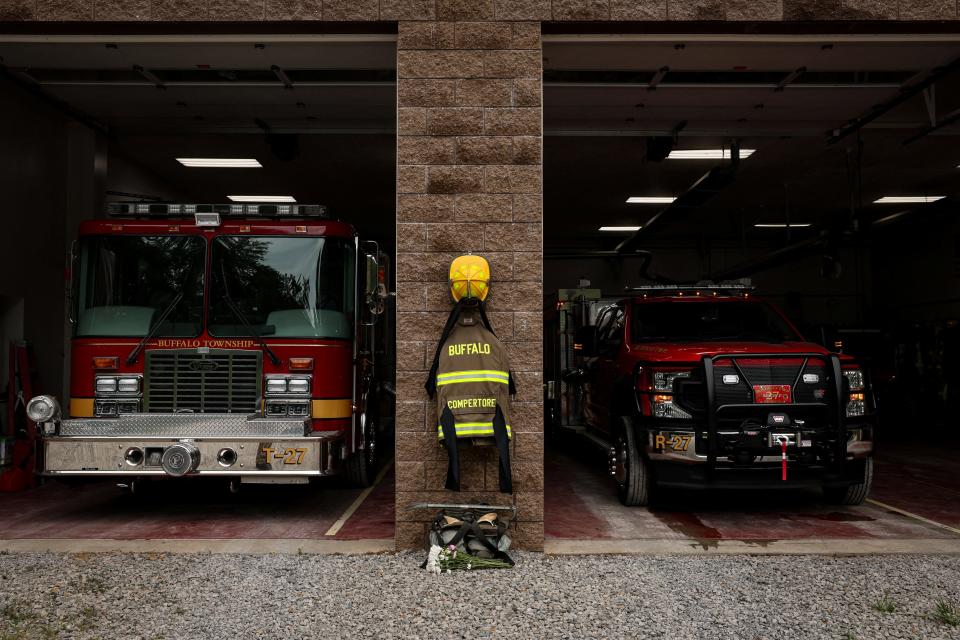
853	494
632	473
361	466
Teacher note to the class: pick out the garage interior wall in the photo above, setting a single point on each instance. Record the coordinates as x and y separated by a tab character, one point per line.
48	168
469	178
55	174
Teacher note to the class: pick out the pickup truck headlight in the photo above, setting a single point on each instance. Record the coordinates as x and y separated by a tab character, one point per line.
663	407
663	380
857	402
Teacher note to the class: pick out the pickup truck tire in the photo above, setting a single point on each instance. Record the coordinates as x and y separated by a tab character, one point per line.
632	472
855	493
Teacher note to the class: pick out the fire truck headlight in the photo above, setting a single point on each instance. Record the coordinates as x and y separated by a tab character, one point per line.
128	385
276	385
106	384
43	409
298	385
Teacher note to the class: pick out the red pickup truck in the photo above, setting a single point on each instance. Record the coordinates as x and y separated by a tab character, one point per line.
709	387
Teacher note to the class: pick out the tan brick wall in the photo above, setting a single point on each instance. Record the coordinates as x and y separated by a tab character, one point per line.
451	12
469	179
469	153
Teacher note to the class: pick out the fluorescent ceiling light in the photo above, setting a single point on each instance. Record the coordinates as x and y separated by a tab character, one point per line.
706	154
227	163
262	198
650	199
782	225
620	229
907	199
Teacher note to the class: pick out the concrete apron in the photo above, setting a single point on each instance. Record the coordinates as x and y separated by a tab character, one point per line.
553	546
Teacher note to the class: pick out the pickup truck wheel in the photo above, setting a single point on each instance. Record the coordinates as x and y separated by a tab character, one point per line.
362	465
630	471
855	493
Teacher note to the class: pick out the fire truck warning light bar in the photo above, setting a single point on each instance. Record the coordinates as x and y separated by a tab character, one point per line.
163	210
741	286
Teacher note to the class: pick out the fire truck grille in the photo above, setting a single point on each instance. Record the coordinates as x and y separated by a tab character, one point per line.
221	381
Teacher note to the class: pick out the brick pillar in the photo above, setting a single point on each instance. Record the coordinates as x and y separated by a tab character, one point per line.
469	151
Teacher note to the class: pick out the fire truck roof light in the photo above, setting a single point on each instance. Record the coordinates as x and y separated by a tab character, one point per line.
742	286
207	219
221	163
262	198
164	209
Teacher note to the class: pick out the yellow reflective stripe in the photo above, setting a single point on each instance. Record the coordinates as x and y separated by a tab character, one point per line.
81	408
325	409
470	372
441	383
473	429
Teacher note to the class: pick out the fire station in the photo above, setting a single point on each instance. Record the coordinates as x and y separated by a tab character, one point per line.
722	238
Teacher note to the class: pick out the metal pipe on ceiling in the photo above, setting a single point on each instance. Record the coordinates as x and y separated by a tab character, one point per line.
150	76
908	90
61	106
945	121
709	185
282	76
790	78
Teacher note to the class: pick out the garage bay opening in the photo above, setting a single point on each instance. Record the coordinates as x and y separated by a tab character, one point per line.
749	268
226	349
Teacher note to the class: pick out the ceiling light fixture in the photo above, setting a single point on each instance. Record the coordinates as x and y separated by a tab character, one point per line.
262	198
650	199
226	163
907	199
707	154
620	229
782	225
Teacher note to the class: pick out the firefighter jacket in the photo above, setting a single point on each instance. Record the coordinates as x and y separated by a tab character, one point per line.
472	382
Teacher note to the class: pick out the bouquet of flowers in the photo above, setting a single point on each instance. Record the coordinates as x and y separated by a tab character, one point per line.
450	558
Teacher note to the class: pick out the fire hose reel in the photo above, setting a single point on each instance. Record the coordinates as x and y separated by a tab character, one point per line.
180	459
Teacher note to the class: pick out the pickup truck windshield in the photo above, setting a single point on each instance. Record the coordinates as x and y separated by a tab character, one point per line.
282	286
124	284
722	320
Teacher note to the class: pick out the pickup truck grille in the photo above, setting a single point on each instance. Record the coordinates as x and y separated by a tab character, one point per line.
221	381
771	372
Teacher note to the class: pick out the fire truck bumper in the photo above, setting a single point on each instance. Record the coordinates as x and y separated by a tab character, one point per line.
189	444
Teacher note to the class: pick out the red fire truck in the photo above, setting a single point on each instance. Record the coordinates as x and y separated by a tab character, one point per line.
245	341
698	386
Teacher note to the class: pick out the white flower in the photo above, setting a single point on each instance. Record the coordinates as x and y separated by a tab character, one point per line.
433	565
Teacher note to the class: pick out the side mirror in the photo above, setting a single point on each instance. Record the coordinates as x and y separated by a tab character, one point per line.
586	337
376	288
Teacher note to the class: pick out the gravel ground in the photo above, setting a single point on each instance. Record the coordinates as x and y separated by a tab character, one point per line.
294	596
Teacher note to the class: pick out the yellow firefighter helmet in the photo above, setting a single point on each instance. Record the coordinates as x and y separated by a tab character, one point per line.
469	278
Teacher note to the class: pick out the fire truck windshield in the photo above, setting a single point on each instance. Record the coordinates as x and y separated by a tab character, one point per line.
283	286
712	321
124	284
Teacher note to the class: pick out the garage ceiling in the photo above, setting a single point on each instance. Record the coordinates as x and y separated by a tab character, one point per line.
161	98
600	109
